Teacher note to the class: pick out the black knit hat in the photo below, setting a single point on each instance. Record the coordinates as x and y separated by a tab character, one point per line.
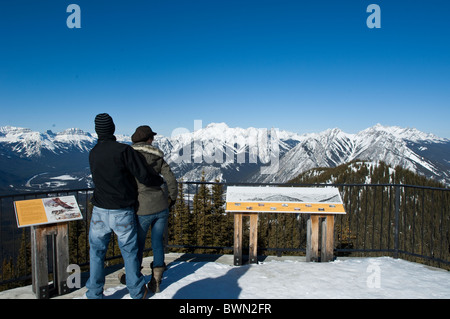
104	125
142	134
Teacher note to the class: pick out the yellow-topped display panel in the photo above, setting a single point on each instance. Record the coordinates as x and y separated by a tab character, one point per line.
309	200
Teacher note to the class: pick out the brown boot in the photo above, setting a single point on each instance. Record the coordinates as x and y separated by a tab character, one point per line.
155	282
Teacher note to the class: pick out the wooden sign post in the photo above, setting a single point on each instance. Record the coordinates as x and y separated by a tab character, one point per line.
48	218
312	237
253	241
39	258
317	203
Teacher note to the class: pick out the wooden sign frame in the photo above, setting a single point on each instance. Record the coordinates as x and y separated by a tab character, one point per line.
298	200
48	218
317	203
33	212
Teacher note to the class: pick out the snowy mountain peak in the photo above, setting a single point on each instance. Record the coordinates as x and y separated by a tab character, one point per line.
29	143
12	134
74	135
334	133
408	134
407	147
73	131
217	126
13	129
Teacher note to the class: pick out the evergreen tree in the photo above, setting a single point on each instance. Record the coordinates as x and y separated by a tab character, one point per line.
77	242
181	226
222	223
24	258
202	210
7	273
370	220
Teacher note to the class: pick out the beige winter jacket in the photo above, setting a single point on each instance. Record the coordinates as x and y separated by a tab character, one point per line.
155	199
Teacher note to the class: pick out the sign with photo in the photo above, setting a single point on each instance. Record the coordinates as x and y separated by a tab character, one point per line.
46	211
308	200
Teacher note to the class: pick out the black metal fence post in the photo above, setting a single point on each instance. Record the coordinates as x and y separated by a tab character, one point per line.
397	220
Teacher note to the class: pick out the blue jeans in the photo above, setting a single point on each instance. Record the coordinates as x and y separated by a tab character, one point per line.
123	223
158	223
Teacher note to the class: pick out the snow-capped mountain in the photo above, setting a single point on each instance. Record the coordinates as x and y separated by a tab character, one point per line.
39	161
229	154
419	152
27	143
33	161
267	155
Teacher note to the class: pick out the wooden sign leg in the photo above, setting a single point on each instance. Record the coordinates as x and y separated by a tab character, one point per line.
327	238
253	249
39	262
237	239
39	259
62	255
312	238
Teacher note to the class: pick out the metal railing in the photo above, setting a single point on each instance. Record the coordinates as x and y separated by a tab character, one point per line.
402	221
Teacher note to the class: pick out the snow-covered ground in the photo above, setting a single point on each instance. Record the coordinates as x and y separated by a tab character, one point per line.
280	278
351	278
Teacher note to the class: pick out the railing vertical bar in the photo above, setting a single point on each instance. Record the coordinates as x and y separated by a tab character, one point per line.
381	217
196	215
404	215
413	240
357	215
365	218
447	233
433	211
1	237
441	227
350	212
373	216
87	219
423	223
397	213
389	218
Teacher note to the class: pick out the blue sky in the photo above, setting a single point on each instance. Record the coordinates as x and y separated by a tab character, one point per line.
302	66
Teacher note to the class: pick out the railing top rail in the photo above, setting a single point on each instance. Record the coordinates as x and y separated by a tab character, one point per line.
316	185
238	184
47	192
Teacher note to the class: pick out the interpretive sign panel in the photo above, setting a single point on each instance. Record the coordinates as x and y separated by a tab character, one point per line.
46	211
308	200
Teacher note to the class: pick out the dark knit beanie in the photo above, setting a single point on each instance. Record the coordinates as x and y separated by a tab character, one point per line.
142	134
104	125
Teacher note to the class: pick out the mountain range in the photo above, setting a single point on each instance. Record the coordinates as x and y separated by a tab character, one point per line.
32	161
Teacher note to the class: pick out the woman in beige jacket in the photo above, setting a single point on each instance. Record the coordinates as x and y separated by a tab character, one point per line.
154	202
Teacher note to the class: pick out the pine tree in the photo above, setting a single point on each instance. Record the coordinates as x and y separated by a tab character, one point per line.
77	242
7	273
370	219
222	223
202	211
181	227
24	258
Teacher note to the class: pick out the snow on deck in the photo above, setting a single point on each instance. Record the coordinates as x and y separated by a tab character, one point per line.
283	278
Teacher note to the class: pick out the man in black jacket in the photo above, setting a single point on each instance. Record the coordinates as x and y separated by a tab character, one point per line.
114	167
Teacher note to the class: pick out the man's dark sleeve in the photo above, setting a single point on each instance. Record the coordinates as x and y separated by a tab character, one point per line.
139	168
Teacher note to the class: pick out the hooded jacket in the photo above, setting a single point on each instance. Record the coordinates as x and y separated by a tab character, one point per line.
155	199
